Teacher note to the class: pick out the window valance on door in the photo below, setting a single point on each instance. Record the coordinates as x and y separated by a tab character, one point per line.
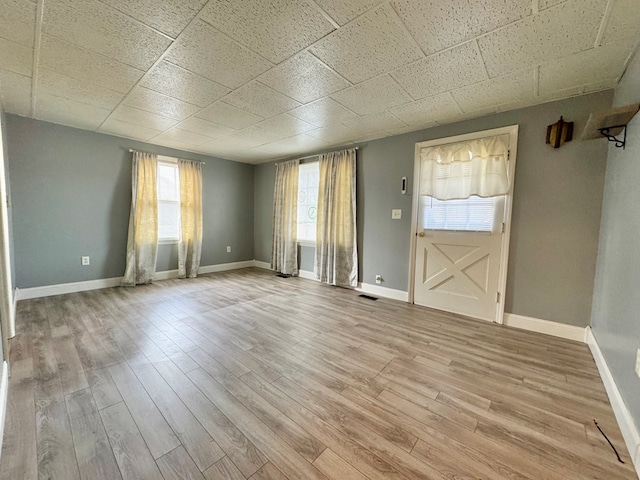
460	170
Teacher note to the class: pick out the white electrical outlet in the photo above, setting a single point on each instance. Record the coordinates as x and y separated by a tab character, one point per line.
378	279
228	248
86	261
638	362
396	214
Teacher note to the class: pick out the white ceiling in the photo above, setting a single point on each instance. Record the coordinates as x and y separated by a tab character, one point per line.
255	80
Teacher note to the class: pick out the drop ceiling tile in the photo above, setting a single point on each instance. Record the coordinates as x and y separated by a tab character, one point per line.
18	20
570	27
343	11
427	110
454	68
372	96
544	4
370	46
229	116
304	78
207	52
438	25
183	137
257	98
275	128
204	127
15	93
290	146
102	29
167	16
16	58
256	135
235	142
623	22
143	118
175	144
375	122
69	112
86	66
323	112
516	86
184	85
605	84
595	65
334	133
128	130
275	29
155	102
62	86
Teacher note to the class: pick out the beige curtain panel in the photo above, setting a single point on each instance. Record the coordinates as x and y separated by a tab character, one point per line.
336	237
460	170
284	253
190	247
142	242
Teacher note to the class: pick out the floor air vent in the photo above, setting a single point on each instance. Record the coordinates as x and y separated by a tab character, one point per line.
368	297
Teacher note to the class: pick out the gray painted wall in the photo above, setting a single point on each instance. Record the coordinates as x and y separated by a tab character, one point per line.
556	212
616	299
71	196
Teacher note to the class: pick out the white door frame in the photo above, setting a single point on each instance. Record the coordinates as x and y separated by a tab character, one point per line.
512	131
7	310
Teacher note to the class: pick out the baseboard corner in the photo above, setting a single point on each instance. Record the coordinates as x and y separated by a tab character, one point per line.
385	292
263	265
556	329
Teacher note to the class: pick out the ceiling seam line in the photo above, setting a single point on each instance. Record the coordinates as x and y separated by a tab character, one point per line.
604	23
36	55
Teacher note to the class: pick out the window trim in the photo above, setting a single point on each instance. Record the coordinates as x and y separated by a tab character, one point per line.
173	162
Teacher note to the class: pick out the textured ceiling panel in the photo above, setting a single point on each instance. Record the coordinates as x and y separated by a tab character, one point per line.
438	25
155	102
304	78
260	100
102	29
544	4
15	93
286	125
204	127
17	22
334	133
372	96
184	85
62	86
375	122
86	66
15	57
168	16
69	112
427	110
290	146
442	72
276	29
140	117
323	112
229	116
517	86
543	37
371	45
623	22
343	11
206	51
124	129
183	136
596	65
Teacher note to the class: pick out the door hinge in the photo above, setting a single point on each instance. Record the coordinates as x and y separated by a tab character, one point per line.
508	155
502	228
497	297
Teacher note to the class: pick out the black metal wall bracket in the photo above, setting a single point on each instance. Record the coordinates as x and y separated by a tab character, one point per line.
606	132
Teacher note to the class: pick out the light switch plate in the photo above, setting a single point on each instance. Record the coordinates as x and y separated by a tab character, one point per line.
396	214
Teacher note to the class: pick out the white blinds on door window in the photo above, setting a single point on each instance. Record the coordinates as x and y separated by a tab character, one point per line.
474	214
459	170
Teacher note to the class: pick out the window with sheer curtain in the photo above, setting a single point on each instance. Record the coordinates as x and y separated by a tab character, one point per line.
168	201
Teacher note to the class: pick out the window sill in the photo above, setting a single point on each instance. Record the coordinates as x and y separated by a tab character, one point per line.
169	241
306	243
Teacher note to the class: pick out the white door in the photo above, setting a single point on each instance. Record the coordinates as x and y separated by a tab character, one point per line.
460	248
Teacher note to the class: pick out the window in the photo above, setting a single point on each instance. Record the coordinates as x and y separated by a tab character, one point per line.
168	202
308	176
472	214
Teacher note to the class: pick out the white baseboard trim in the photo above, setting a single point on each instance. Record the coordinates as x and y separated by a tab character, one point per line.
570	332
264	265
307	274
385	292
63	288
628	427
4	395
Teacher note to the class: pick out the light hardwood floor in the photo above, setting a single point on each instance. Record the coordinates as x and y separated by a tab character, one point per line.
244	375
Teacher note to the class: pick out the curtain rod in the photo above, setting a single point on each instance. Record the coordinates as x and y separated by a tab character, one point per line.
131	150
317	155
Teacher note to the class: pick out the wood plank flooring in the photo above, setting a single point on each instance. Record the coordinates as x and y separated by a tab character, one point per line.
243	375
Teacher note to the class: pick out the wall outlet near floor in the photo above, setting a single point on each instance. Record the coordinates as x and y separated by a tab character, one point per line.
378	279
228	248
85	261
638	362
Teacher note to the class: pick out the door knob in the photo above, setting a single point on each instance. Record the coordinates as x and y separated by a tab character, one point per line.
421	234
